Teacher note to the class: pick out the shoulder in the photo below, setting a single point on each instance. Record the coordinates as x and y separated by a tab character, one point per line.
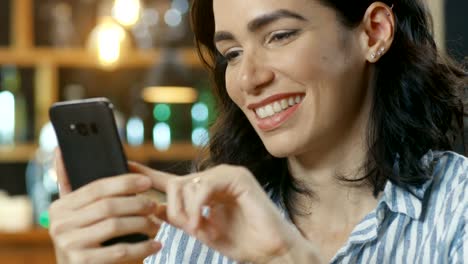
449	172
450	176
180	247
447	193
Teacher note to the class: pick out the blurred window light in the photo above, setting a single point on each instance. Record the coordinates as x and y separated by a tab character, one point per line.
200	112
135	131
173	17
181	5
47	138
162	136
162	112
200	136
7	118
126	12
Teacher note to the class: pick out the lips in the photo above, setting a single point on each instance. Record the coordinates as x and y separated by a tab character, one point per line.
277	106
275	110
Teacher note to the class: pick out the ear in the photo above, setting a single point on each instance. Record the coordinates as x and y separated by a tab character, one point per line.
378	27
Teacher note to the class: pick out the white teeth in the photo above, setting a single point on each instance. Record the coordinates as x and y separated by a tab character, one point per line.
284	104
260	112
277	107
269	110
298	99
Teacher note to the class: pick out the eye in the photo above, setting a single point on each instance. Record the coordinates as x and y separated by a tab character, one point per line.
281	35
232	55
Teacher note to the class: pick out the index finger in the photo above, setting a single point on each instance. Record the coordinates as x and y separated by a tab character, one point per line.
158	178
62	177
120	185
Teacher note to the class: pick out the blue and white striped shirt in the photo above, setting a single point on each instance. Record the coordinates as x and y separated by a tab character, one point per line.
419	225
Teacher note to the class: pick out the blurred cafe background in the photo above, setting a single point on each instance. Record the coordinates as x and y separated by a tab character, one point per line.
139	54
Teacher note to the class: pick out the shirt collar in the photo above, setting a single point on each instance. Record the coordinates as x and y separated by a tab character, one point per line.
408	200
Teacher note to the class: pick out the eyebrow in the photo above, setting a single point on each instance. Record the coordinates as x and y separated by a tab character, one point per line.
260	22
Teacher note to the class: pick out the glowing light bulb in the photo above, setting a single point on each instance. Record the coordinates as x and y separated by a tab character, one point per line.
162	136
126	12
200	112
162	112
169	94
200	136
173	17
135	131
110	41
181	5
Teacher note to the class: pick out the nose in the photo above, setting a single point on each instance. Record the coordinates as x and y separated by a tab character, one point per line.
254	73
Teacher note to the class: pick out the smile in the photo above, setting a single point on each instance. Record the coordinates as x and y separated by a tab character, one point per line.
277	107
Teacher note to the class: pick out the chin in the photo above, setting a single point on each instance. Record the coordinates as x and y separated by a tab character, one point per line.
280	148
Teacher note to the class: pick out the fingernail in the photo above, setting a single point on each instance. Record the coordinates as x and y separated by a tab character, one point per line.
143	183
156	245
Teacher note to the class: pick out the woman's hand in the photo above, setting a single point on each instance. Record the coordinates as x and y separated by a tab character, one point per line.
242	222
81	220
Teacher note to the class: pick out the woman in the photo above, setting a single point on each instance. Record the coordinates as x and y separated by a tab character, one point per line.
332	145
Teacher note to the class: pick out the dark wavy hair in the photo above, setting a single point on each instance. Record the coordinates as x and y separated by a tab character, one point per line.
417	104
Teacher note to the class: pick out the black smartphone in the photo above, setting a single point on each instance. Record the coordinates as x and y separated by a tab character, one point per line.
90	144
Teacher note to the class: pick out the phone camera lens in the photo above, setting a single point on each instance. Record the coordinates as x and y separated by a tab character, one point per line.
94	128
82	129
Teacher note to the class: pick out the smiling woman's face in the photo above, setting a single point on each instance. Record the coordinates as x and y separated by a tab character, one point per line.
296	72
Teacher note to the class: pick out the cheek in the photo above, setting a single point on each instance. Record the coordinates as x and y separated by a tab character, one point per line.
314	62
331	78
233	89
325	68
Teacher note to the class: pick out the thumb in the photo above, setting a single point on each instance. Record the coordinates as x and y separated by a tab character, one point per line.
62	177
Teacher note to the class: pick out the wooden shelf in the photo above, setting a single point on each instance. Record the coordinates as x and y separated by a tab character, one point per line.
31	246
17	153
68	57
34	236
177	152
